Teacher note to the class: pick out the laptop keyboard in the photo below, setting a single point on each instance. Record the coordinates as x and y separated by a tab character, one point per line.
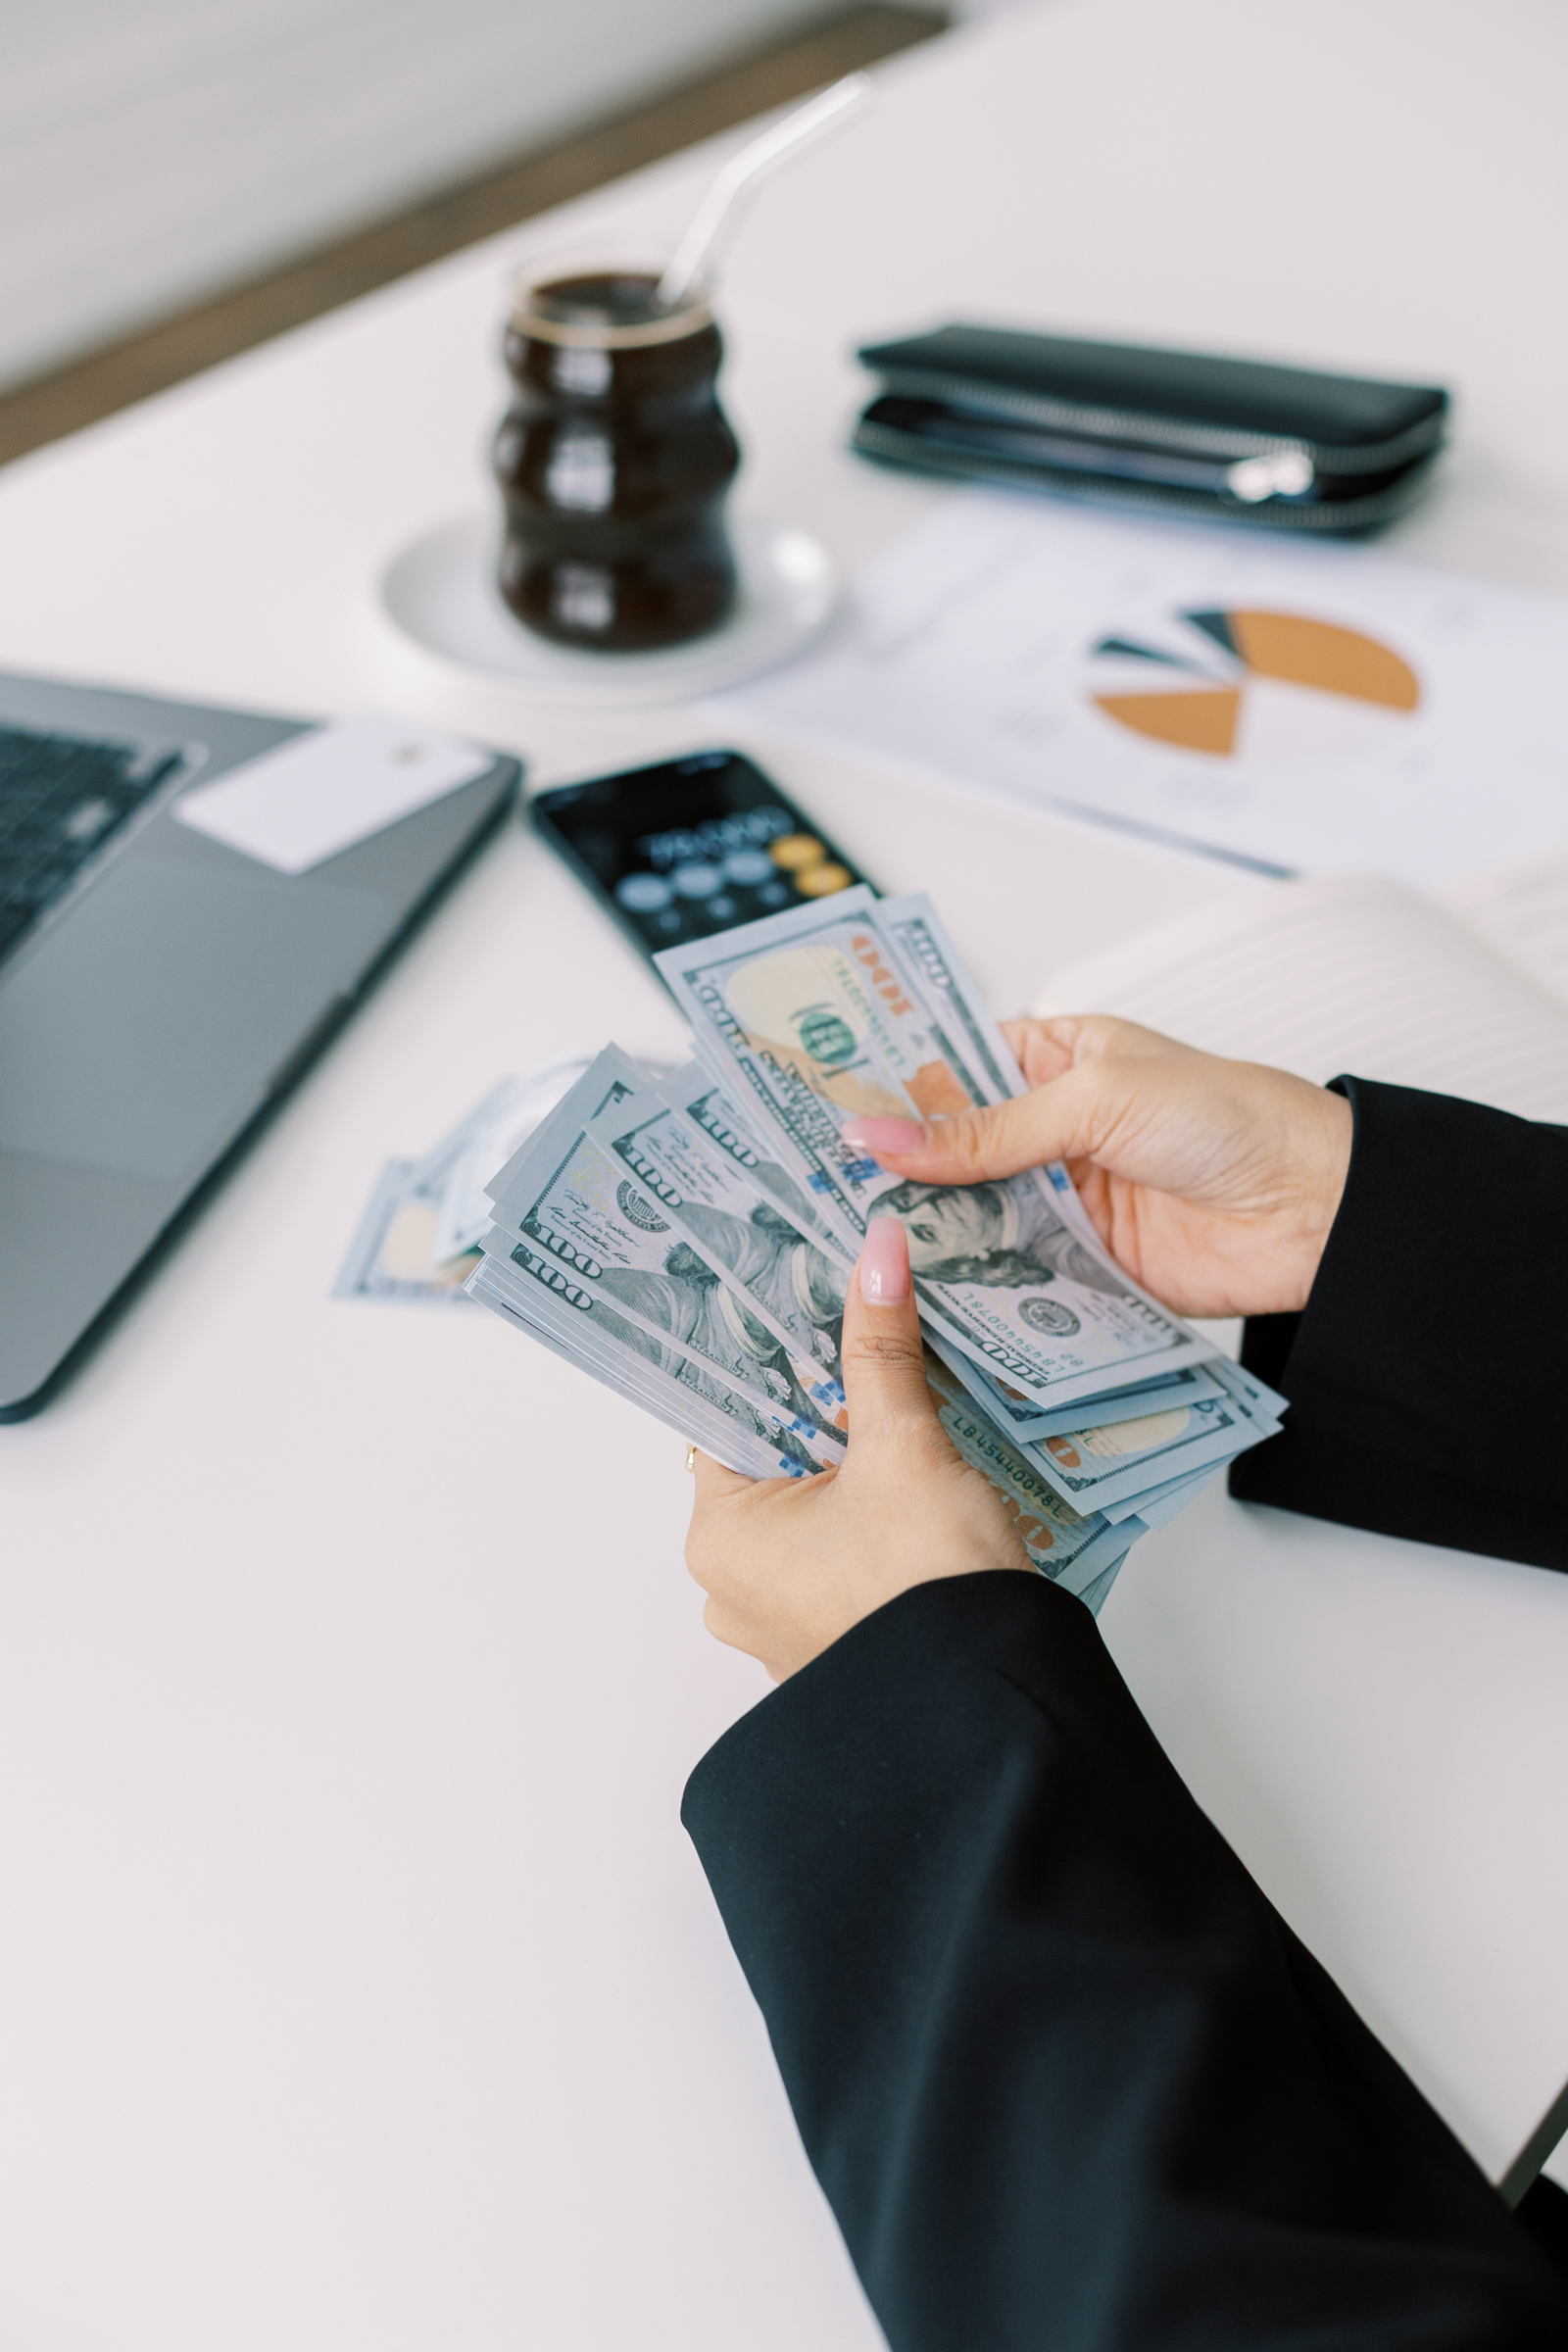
61	799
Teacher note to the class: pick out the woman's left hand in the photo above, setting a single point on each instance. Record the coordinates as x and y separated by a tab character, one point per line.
789	1564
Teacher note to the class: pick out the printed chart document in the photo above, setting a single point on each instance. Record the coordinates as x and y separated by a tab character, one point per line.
1302	709
1464	994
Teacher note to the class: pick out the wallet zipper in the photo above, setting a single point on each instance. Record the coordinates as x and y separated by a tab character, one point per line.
1223	444
1281	472
908	448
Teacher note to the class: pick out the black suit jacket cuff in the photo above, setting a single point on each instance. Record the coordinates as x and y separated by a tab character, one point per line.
1425	1374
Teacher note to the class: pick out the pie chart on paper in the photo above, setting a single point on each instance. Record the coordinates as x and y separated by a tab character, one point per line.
1255	685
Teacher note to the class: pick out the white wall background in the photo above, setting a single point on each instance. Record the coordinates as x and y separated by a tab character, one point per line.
153	151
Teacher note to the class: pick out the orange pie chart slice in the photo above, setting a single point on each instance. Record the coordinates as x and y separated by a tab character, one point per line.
1203	721
1318	653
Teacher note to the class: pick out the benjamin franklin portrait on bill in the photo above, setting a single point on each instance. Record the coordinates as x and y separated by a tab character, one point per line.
1000	1236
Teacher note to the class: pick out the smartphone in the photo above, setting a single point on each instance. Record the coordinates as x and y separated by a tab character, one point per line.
688	847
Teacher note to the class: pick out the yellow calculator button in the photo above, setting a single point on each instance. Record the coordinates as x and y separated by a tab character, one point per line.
820	881
796	850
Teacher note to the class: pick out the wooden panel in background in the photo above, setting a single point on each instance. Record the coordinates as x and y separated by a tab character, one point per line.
129	370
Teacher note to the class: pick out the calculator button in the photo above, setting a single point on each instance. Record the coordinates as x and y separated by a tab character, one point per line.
643	894
796	850
820	881
696	881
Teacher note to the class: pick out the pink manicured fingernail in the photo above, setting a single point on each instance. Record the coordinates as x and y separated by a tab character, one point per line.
885	1134
884	1260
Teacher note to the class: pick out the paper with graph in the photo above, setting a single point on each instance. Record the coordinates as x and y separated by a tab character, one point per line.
1300	709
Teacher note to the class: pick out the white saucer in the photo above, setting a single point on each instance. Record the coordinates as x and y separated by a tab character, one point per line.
441	593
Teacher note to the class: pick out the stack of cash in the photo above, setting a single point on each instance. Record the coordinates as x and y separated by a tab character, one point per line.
686	1238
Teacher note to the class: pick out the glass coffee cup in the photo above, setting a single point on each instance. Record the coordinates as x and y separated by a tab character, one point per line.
614	460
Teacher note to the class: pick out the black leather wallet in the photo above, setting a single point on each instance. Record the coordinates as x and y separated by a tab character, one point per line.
1282	447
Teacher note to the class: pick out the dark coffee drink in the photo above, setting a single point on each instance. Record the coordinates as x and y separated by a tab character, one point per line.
614	460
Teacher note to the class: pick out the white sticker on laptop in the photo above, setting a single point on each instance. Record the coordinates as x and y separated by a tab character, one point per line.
323	792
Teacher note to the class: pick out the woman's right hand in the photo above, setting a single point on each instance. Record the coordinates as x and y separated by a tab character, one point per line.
1212	1183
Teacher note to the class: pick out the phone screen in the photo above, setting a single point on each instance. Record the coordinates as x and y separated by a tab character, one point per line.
691	846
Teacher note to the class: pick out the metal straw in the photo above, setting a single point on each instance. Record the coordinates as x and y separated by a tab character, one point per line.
720	209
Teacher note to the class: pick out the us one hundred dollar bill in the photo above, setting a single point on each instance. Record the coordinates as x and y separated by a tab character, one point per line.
572	1216
419	1239
1071	1546
790	1284
393	1254
1111	1462
716	1420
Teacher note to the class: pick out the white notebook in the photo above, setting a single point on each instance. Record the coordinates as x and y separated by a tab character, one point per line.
1464	992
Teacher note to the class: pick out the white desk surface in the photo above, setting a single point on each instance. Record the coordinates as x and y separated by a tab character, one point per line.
358	1986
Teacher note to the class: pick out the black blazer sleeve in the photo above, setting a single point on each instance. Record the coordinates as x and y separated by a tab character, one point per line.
1068	2081
1426	1375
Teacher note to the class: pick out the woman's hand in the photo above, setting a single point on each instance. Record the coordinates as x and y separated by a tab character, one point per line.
787	1564
1213	1183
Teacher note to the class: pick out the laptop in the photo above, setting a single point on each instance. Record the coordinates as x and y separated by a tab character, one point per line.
161	989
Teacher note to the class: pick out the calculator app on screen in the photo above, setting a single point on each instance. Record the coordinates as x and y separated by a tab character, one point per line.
690	847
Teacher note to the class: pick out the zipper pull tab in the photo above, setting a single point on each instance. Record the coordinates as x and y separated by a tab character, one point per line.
1283	474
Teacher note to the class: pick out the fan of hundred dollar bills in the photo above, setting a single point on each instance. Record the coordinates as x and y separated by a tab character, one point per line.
686	1238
